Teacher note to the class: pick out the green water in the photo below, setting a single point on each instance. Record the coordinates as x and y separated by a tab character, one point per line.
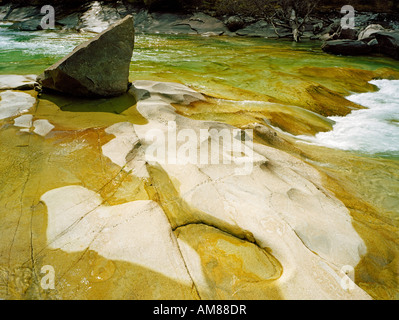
203	62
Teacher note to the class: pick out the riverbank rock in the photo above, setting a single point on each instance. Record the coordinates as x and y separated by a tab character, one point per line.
27	25
388	43
203	23
346	47
263	29
97	68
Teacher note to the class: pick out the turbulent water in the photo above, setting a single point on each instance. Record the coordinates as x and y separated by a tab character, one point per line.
374	130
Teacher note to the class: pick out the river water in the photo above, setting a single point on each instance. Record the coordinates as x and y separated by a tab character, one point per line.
341	112
221	65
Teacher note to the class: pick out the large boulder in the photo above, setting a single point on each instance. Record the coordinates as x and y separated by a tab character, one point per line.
388	43
346	47
96	68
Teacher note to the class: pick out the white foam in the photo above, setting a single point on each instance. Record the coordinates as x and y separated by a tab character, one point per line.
372	130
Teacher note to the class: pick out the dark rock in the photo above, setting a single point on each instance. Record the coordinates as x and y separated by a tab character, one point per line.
22	13
96	68
346	47
373	44
388	43
70	21
317	27
27	25
349	33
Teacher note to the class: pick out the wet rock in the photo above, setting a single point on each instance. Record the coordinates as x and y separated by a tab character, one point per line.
70	21
346	47
97	68
28	25
369	32
317	27
388	43
373	44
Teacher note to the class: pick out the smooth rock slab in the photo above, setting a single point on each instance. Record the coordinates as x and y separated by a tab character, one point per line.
280	205
137	231
17	82
97	68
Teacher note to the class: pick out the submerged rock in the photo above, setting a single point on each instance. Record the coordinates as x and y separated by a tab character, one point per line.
97	68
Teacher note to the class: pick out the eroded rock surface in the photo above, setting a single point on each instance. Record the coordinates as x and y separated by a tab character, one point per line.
115	224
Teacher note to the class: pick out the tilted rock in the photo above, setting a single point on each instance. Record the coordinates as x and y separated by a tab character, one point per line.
96	68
